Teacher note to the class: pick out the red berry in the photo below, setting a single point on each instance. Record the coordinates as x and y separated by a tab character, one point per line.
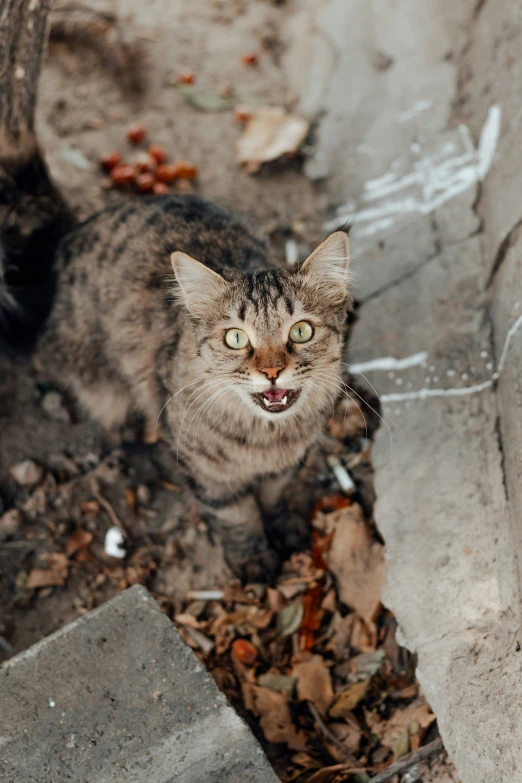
158	153
145	182
109	160
184	170
244	651
242	114
186	77
249	59
145	162
123	175
181	169
136	133
160	188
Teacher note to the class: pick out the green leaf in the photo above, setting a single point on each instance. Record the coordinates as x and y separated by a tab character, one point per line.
289	619
204	100
401	746
281	683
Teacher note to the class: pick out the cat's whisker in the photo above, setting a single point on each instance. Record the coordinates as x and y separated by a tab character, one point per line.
198	380
343	390
221	393
376	413
210	388
208	405
328	393
186	410
370	384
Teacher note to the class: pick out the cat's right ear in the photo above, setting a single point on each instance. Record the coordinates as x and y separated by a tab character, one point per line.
198	285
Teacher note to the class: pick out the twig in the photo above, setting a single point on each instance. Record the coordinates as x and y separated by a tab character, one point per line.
107	506
327	734
408	761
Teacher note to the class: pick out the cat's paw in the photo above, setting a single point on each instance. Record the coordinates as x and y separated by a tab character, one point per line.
262	567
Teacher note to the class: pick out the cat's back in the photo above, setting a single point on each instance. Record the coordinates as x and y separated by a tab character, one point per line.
131	240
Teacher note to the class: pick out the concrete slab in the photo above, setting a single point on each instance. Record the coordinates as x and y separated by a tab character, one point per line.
118	696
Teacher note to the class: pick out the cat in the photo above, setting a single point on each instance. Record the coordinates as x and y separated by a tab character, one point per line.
238	359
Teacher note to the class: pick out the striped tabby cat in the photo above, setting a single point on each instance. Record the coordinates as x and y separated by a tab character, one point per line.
242	364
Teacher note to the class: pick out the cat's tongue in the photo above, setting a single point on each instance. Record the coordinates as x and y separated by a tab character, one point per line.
274	394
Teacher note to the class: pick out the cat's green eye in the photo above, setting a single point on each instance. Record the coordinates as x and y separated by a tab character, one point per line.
236	338
301	332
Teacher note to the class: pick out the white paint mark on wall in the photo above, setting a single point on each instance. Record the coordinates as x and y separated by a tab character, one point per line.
391	363
464	391
416	109
431	182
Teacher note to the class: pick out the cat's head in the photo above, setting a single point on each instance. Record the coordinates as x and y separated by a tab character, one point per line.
272	337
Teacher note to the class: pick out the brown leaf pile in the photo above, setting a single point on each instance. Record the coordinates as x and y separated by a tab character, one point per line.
313	663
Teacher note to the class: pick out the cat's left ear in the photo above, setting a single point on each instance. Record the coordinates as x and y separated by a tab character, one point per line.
199	286
326	269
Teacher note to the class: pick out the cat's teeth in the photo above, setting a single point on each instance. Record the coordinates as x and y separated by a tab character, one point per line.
267	402
284	400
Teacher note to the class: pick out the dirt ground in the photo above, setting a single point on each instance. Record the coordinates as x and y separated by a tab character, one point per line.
88	483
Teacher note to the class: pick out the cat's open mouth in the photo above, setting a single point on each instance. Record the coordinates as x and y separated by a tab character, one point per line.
276	400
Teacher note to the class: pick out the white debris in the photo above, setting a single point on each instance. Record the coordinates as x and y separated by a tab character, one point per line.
341	474
114	541
205	595
291	252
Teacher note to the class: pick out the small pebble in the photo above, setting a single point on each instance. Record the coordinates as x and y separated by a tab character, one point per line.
10	522
143	494
53	405
27	473
484	354
464	376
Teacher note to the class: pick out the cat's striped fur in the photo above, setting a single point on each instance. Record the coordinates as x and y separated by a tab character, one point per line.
124	346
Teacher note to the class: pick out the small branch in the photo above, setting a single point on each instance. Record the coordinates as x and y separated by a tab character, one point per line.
409	761
327	734
107	506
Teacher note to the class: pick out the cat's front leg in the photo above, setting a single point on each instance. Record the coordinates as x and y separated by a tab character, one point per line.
235	517
286	530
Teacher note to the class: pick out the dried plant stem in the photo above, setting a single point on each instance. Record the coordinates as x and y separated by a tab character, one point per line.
107	506
408	761
327	734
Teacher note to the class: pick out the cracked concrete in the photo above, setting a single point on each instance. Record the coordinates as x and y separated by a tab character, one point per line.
446	282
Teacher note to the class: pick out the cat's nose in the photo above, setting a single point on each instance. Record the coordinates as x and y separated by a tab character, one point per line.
272	372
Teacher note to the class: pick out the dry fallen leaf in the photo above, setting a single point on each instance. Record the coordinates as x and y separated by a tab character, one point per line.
79	539
43	577
274	716
357	562
277	682
347	700
56	574
348	733
289	619
314	682
414	719
269	133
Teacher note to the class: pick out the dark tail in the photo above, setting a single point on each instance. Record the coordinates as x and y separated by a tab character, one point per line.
33	214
